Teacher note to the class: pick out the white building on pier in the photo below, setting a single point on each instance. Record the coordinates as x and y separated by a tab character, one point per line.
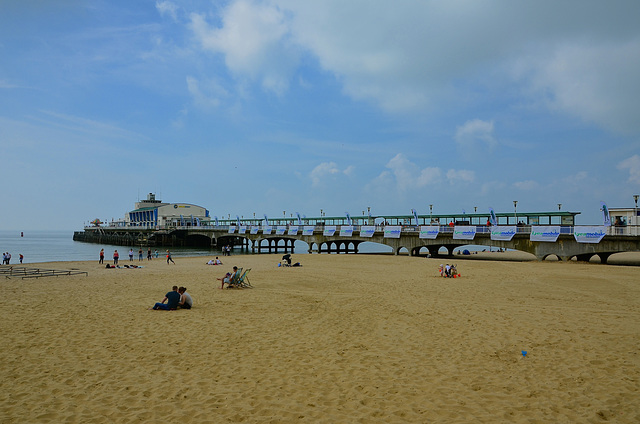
153	213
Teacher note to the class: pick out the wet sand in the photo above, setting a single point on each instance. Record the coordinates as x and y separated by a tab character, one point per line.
344	338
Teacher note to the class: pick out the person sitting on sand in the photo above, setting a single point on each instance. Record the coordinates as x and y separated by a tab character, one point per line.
172	298
186	302
228	277
215	261
453	273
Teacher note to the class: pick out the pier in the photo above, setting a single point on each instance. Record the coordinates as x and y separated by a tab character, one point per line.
403	233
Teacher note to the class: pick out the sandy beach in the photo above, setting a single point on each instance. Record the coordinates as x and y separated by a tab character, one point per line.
342	339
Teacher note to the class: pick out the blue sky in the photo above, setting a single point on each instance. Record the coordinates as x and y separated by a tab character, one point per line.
268	106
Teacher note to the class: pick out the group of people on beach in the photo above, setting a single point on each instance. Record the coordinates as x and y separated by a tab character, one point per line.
177	298
6	258
116	256
448	271
215	261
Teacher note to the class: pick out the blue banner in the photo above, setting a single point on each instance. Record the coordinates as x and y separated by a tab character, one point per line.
606	218
492	217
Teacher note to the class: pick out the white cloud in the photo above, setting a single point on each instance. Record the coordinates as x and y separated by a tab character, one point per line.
582	55
6	84
320	173
409	176
460	176
596	82
205	95
576	179
253	39
167	8
633	165
526	185
475	136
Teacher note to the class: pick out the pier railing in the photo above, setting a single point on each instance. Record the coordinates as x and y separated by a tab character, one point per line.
626	230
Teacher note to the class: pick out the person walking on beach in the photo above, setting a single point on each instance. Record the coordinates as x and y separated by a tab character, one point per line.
116	256
149	254
172	298
21	258
169	258
101	261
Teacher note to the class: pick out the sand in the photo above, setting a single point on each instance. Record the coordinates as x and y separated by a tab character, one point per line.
343	339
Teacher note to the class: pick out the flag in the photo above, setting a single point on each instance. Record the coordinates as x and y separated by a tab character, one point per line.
266	220
238	219
299	219
216	218
606	219
348	218
492	217
181	221
415	215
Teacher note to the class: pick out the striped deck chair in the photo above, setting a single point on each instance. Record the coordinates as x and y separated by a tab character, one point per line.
243	281
233	283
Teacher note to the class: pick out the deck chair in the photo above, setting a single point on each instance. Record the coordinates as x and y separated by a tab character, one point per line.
233	283
244	280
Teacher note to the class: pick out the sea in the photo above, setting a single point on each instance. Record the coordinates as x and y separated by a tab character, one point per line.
59	246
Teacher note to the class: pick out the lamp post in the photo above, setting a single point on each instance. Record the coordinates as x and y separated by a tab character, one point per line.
559	206
515	210
321	212
475	209
635	213
430	214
